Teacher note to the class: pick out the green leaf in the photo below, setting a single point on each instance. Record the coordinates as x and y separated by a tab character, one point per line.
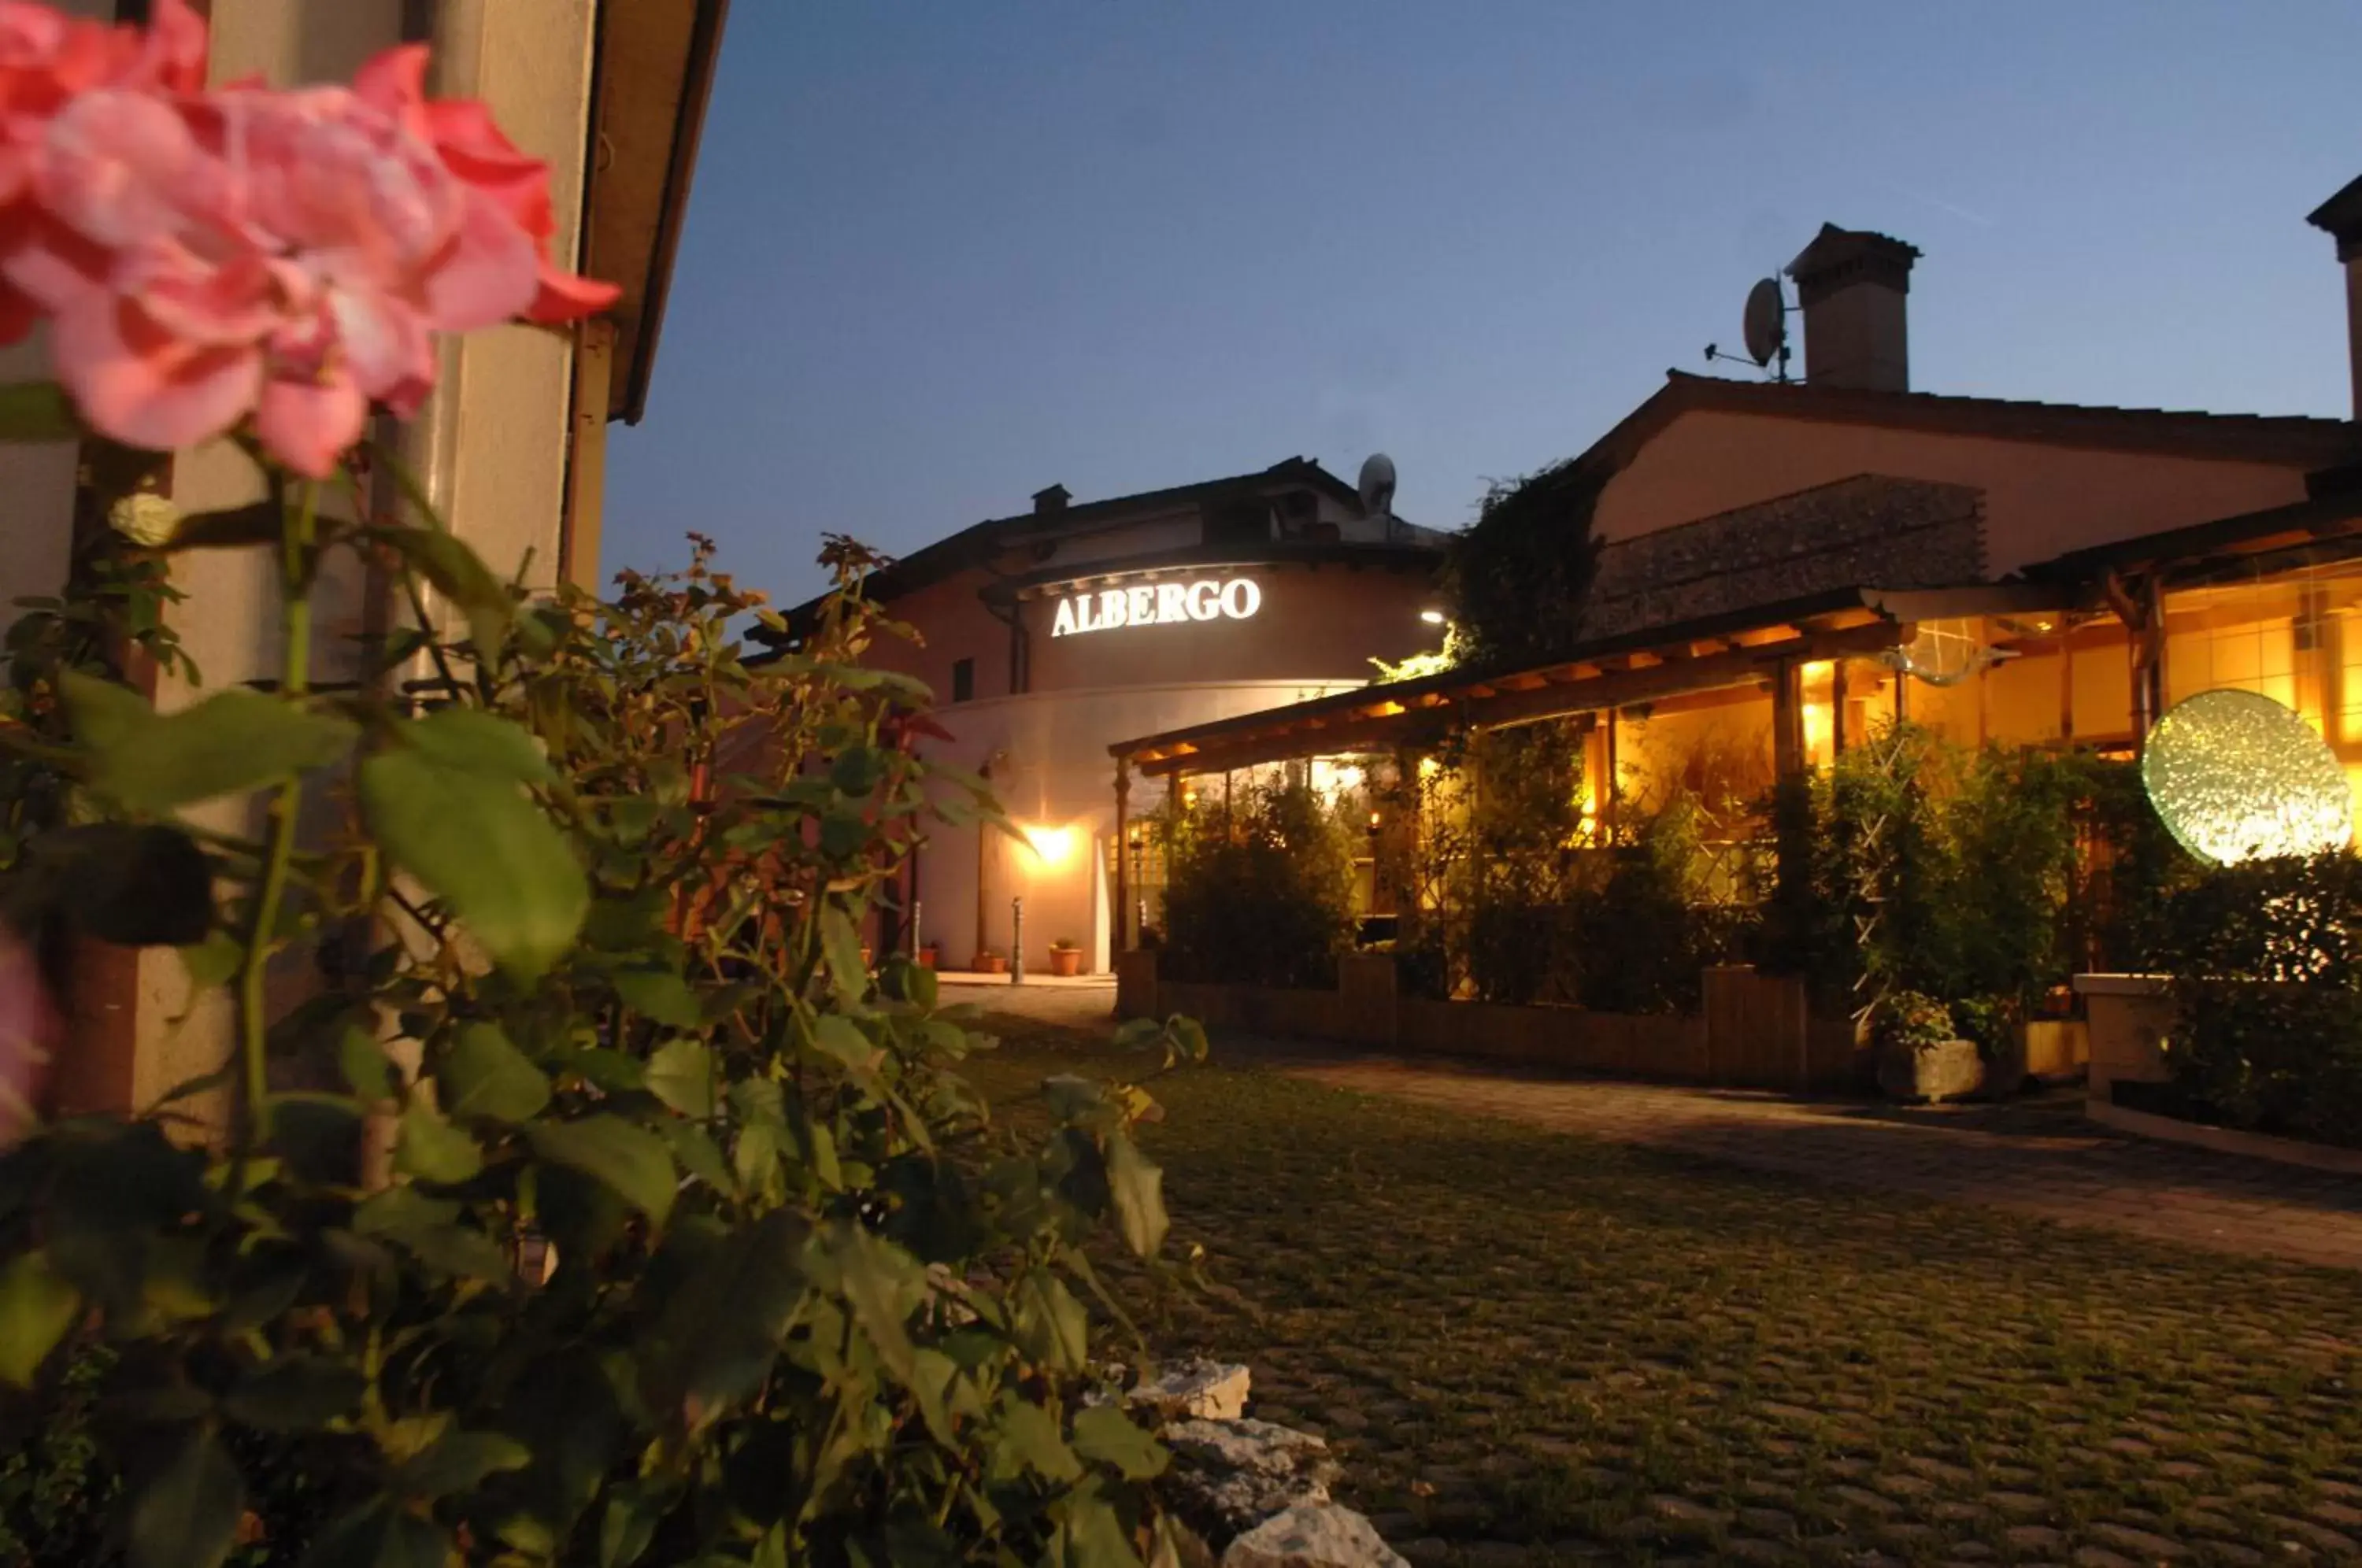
1090	1534
458	1462
366	1069
296	1393
698	1154
841	943
1105	1435
36	1308
482	1076
380	1534
631	1162
856	770
661	995
881	1282
1137	1188
134	887
459	575
37	410
473	740
259	523
187	1516
627	1527
213	961
719	1334
912	983
1032	1437
841	1040
432	1149
230	743
430	1230
1048	1324
484	847
681	1074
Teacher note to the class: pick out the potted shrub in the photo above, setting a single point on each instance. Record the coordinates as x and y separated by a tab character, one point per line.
1921	1056
990	962
1065	958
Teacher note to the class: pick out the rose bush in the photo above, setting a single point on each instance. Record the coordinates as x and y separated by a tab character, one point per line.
584	1194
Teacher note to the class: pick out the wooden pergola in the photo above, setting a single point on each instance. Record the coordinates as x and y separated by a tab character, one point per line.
1767	646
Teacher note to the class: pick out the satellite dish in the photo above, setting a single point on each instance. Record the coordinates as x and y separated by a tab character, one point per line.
1767	322
1378	486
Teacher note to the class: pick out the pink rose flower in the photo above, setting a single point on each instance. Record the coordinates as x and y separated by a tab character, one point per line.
29	1034
282	256
48	61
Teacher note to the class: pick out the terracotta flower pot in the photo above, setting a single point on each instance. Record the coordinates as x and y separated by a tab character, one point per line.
928	955
991	963
1065	962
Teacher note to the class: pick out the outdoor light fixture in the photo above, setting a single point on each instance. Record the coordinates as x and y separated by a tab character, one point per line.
2237	776
1432	618
1050	844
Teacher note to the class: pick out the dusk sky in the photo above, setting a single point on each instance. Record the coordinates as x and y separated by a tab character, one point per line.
943	255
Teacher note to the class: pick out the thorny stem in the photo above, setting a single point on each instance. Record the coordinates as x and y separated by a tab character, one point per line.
296	621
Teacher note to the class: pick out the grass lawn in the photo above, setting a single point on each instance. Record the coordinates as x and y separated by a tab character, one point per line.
1535	1348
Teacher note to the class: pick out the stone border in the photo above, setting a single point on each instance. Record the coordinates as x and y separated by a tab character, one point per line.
1247	1493
2225	1140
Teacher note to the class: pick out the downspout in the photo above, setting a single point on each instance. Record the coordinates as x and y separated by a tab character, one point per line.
983	847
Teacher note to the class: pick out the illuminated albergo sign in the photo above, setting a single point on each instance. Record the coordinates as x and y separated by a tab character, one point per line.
1156	604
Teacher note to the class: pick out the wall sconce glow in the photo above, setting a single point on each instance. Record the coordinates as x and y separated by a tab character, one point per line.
2237	776
1432	618
1050	844
1157	604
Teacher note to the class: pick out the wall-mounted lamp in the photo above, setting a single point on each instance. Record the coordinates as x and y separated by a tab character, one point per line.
1050	844
1432	618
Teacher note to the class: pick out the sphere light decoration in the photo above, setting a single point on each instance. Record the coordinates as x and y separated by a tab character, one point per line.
2237	776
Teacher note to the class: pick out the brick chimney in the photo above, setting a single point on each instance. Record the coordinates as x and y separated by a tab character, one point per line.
2341	216
1852	283
1053	499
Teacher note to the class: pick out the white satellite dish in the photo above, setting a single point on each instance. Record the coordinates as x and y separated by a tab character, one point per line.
1766	323
1377	485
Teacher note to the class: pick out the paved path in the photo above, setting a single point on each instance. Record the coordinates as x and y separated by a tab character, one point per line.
2037	1156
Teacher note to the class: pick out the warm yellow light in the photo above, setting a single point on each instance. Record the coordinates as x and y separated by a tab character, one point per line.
1432	618
1820	733
1050	844
1428	768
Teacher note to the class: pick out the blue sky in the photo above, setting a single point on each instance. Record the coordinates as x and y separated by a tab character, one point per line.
943	254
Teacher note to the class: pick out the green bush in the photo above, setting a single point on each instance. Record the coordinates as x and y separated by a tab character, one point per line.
1646	932
1259	887
599	1205
1984	878
2267	964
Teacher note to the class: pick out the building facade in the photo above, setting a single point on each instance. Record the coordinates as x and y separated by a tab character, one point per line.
1785	566
1049	635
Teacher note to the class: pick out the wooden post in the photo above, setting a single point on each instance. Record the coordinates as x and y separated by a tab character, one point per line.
1788	757
1837	708
2065	678
1125	936
1608	795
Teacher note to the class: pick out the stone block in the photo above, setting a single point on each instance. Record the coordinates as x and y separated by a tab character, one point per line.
1313	1535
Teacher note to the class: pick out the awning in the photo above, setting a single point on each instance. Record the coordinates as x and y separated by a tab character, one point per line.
1735	649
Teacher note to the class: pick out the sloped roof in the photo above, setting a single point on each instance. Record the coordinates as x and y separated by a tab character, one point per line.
972	546
2296	441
